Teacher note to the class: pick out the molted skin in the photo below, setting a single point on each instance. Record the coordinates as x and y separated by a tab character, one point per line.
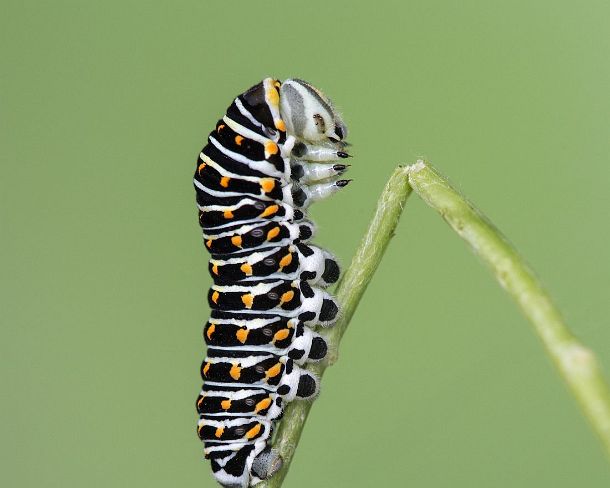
276	151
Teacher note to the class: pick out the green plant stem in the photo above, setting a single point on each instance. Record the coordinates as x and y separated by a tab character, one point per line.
349	292
576	363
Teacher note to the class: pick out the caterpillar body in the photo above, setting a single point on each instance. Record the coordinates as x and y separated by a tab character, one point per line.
274	153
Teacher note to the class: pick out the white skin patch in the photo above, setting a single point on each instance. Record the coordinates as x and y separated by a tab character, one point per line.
308	113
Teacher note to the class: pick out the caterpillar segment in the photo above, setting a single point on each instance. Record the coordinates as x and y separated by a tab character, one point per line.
279	148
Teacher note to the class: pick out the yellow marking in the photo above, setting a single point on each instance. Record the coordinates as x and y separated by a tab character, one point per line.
273	233
267	184
219	432
253	432
210	331
205	369
215	296
220	127
201	166
270	149
238	140
215	269
273	97
277	84
208	243
246	269
247	299
235	371
273	371
236	241
286	297
286	260
262	405
242	335
225	404
270	210
228	214
280	125
280	335
224	181
200	401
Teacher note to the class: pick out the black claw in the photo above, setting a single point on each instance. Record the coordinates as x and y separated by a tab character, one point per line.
342	154
342	183
340	168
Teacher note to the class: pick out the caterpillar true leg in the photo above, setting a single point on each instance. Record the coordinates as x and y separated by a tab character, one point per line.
275	151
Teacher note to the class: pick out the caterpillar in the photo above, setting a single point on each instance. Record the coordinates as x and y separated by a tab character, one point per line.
275	152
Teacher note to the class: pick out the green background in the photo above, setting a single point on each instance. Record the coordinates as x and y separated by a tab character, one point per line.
440	383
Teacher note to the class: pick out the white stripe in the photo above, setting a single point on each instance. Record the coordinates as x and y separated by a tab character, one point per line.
246	113
263	166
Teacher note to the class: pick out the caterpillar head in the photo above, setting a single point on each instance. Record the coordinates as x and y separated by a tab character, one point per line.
309	115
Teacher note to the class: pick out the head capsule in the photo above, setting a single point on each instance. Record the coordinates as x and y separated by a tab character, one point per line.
309	114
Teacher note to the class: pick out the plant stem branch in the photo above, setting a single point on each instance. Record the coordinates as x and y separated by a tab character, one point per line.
576	363
349	292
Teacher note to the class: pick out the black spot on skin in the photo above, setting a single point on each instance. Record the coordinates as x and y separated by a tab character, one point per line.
289	366
298	197
283	390
298	215
307	316
318	350
305	250
305	232
331	271
297	354
297	172
328	310
307	275
307	386
299	149
306	290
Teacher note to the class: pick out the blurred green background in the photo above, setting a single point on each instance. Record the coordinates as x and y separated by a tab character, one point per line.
441	383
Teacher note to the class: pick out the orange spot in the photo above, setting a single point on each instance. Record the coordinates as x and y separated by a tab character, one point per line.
270	148
238	140
267	184
215	269
246	269
220	127
225	404
228	214
200	400
273	371
286	297
253	432
215	296
235	371
270	210
242	335
224	181
273	96
273	233
201	166
205	369
262	405
280	335
280	125
208	243
210	331
236	241
219	432
286	260
248	299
